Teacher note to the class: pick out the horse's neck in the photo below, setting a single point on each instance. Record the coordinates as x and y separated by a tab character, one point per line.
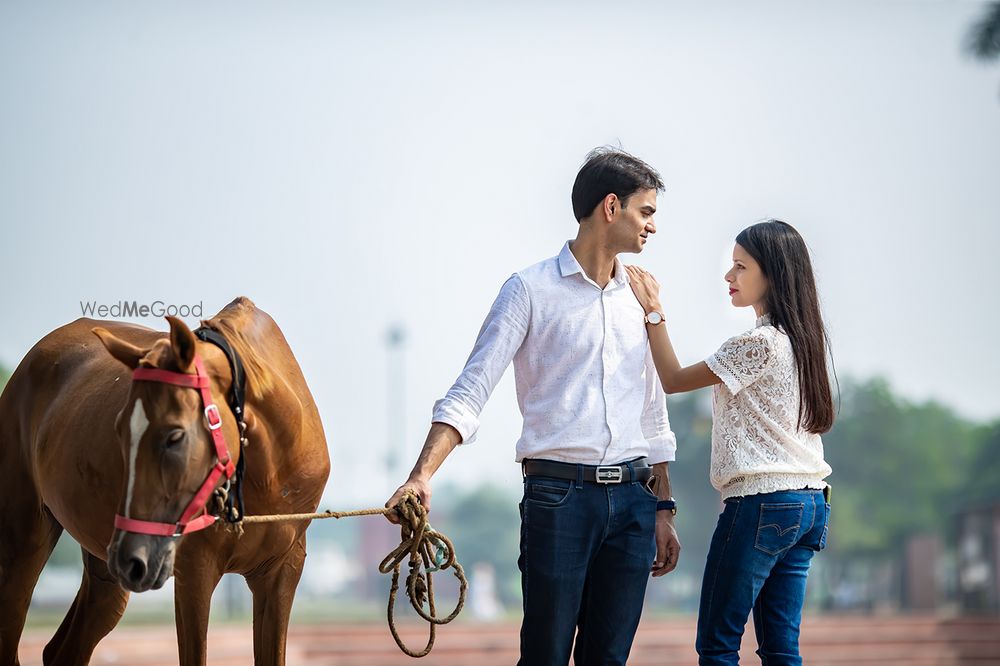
284	423
280	413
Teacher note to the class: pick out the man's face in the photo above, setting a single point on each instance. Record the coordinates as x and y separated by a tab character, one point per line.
633	221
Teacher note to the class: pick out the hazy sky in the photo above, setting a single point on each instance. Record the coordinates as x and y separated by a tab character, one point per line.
352	165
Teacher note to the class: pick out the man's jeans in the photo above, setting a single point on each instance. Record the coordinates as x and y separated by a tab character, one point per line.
586	553
759	559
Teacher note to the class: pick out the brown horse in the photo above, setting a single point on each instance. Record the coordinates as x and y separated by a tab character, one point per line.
81	442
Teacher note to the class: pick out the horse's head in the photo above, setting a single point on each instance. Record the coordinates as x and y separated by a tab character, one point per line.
173	455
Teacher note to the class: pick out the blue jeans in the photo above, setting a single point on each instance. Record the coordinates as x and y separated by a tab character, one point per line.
586	553
759	560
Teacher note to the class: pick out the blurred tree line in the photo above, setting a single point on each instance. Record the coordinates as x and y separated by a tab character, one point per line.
900	468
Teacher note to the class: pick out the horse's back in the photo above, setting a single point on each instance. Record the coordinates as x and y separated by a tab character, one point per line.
57	370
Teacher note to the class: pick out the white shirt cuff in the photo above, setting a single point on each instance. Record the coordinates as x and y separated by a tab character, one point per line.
662	448
458	416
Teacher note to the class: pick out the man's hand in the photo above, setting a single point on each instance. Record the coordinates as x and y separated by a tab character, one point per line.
668	546
441	440
421	488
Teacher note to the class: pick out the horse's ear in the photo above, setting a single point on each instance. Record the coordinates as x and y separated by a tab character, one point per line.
125	352
182	343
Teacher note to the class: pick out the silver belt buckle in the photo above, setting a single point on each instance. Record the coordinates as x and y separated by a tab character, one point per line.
608	474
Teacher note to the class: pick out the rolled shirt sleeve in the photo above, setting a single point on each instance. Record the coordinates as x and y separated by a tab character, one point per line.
655	422
500	337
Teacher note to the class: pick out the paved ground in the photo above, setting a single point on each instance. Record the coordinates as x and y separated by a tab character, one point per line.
834	641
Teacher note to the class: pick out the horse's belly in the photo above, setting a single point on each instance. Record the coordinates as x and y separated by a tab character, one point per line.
79	470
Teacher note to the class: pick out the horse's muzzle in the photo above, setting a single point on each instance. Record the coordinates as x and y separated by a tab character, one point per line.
141	562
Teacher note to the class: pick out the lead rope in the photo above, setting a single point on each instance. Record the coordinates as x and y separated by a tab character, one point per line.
417	538
429	552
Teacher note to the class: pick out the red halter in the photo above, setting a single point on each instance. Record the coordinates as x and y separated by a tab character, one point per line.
223	464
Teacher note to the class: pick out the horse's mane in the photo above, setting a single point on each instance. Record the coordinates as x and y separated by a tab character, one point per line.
235	322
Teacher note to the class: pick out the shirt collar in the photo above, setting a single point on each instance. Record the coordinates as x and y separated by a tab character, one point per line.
568	265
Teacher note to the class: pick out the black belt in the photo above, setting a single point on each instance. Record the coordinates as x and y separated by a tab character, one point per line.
636	470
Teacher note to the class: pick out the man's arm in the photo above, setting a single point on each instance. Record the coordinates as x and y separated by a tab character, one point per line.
456	416
662	448
441	440
668	546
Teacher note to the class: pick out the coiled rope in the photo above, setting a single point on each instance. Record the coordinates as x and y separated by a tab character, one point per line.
429	551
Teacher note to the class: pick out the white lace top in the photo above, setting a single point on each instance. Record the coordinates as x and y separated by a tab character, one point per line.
757	446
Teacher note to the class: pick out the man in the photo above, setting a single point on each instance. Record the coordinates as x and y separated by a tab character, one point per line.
596	440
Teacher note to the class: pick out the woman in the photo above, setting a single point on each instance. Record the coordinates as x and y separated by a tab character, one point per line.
771	401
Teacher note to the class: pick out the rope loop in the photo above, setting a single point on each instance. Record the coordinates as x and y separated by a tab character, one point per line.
424	546
428	551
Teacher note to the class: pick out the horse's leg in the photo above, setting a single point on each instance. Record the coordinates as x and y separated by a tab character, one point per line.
195	578
273	591
29	535
98	606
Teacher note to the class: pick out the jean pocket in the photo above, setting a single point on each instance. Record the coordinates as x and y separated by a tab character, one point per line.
646	490
778	527
826	529
547	492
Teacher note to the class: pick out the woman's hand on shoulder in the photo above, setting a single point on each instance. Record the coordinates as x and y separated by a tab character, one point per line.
645	287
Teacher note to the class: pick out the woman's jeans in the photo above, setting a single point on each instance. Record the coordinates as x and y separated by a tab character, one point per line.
586	553
759	560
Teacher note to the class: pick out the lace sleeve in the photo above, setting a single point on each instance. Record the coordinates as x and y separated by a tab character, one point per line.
741	360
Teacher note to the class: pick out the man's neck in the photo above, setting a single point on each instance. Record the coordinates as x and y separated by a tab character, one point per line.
594	257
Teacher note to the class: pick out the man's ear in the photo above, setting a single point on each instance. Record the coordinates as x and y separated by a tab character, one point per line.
123	351
610	206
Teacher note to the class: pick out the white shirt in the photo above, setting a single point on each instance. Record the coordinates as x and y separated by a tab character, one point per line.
757	445
586	384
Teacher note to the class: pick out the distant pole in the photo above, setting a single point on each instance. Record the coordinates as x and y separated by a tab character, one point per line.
395	341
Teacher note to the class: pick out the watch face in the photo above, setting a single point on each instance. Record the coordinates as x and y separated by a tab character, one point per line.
654	318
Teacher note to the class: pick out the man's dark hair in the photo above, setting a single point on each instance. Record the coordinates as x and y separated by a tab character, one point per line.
611	170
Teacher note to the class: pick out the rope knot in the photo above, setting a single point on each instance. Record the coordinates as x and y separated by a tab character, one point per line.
416	586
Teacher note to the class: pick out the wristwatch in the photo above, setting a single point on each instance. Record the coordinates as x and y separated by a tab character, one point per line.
654	318
667	505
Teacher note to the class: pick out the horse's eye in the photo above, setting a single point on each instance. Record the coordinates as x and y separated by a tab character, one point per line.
175	437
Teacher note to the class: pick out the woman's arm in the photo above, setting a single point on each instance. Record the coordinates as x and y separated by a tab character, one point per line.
673	377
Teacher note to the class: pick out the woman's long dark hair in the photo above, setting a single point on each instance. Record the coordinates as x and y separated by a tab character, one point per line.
793	304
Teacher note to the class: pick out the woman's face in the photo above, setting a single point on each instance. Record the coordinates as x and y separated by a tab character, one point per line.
747	284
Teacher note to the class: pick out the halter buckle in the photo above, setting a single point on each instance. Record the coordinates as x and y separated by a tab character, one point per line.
213	417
